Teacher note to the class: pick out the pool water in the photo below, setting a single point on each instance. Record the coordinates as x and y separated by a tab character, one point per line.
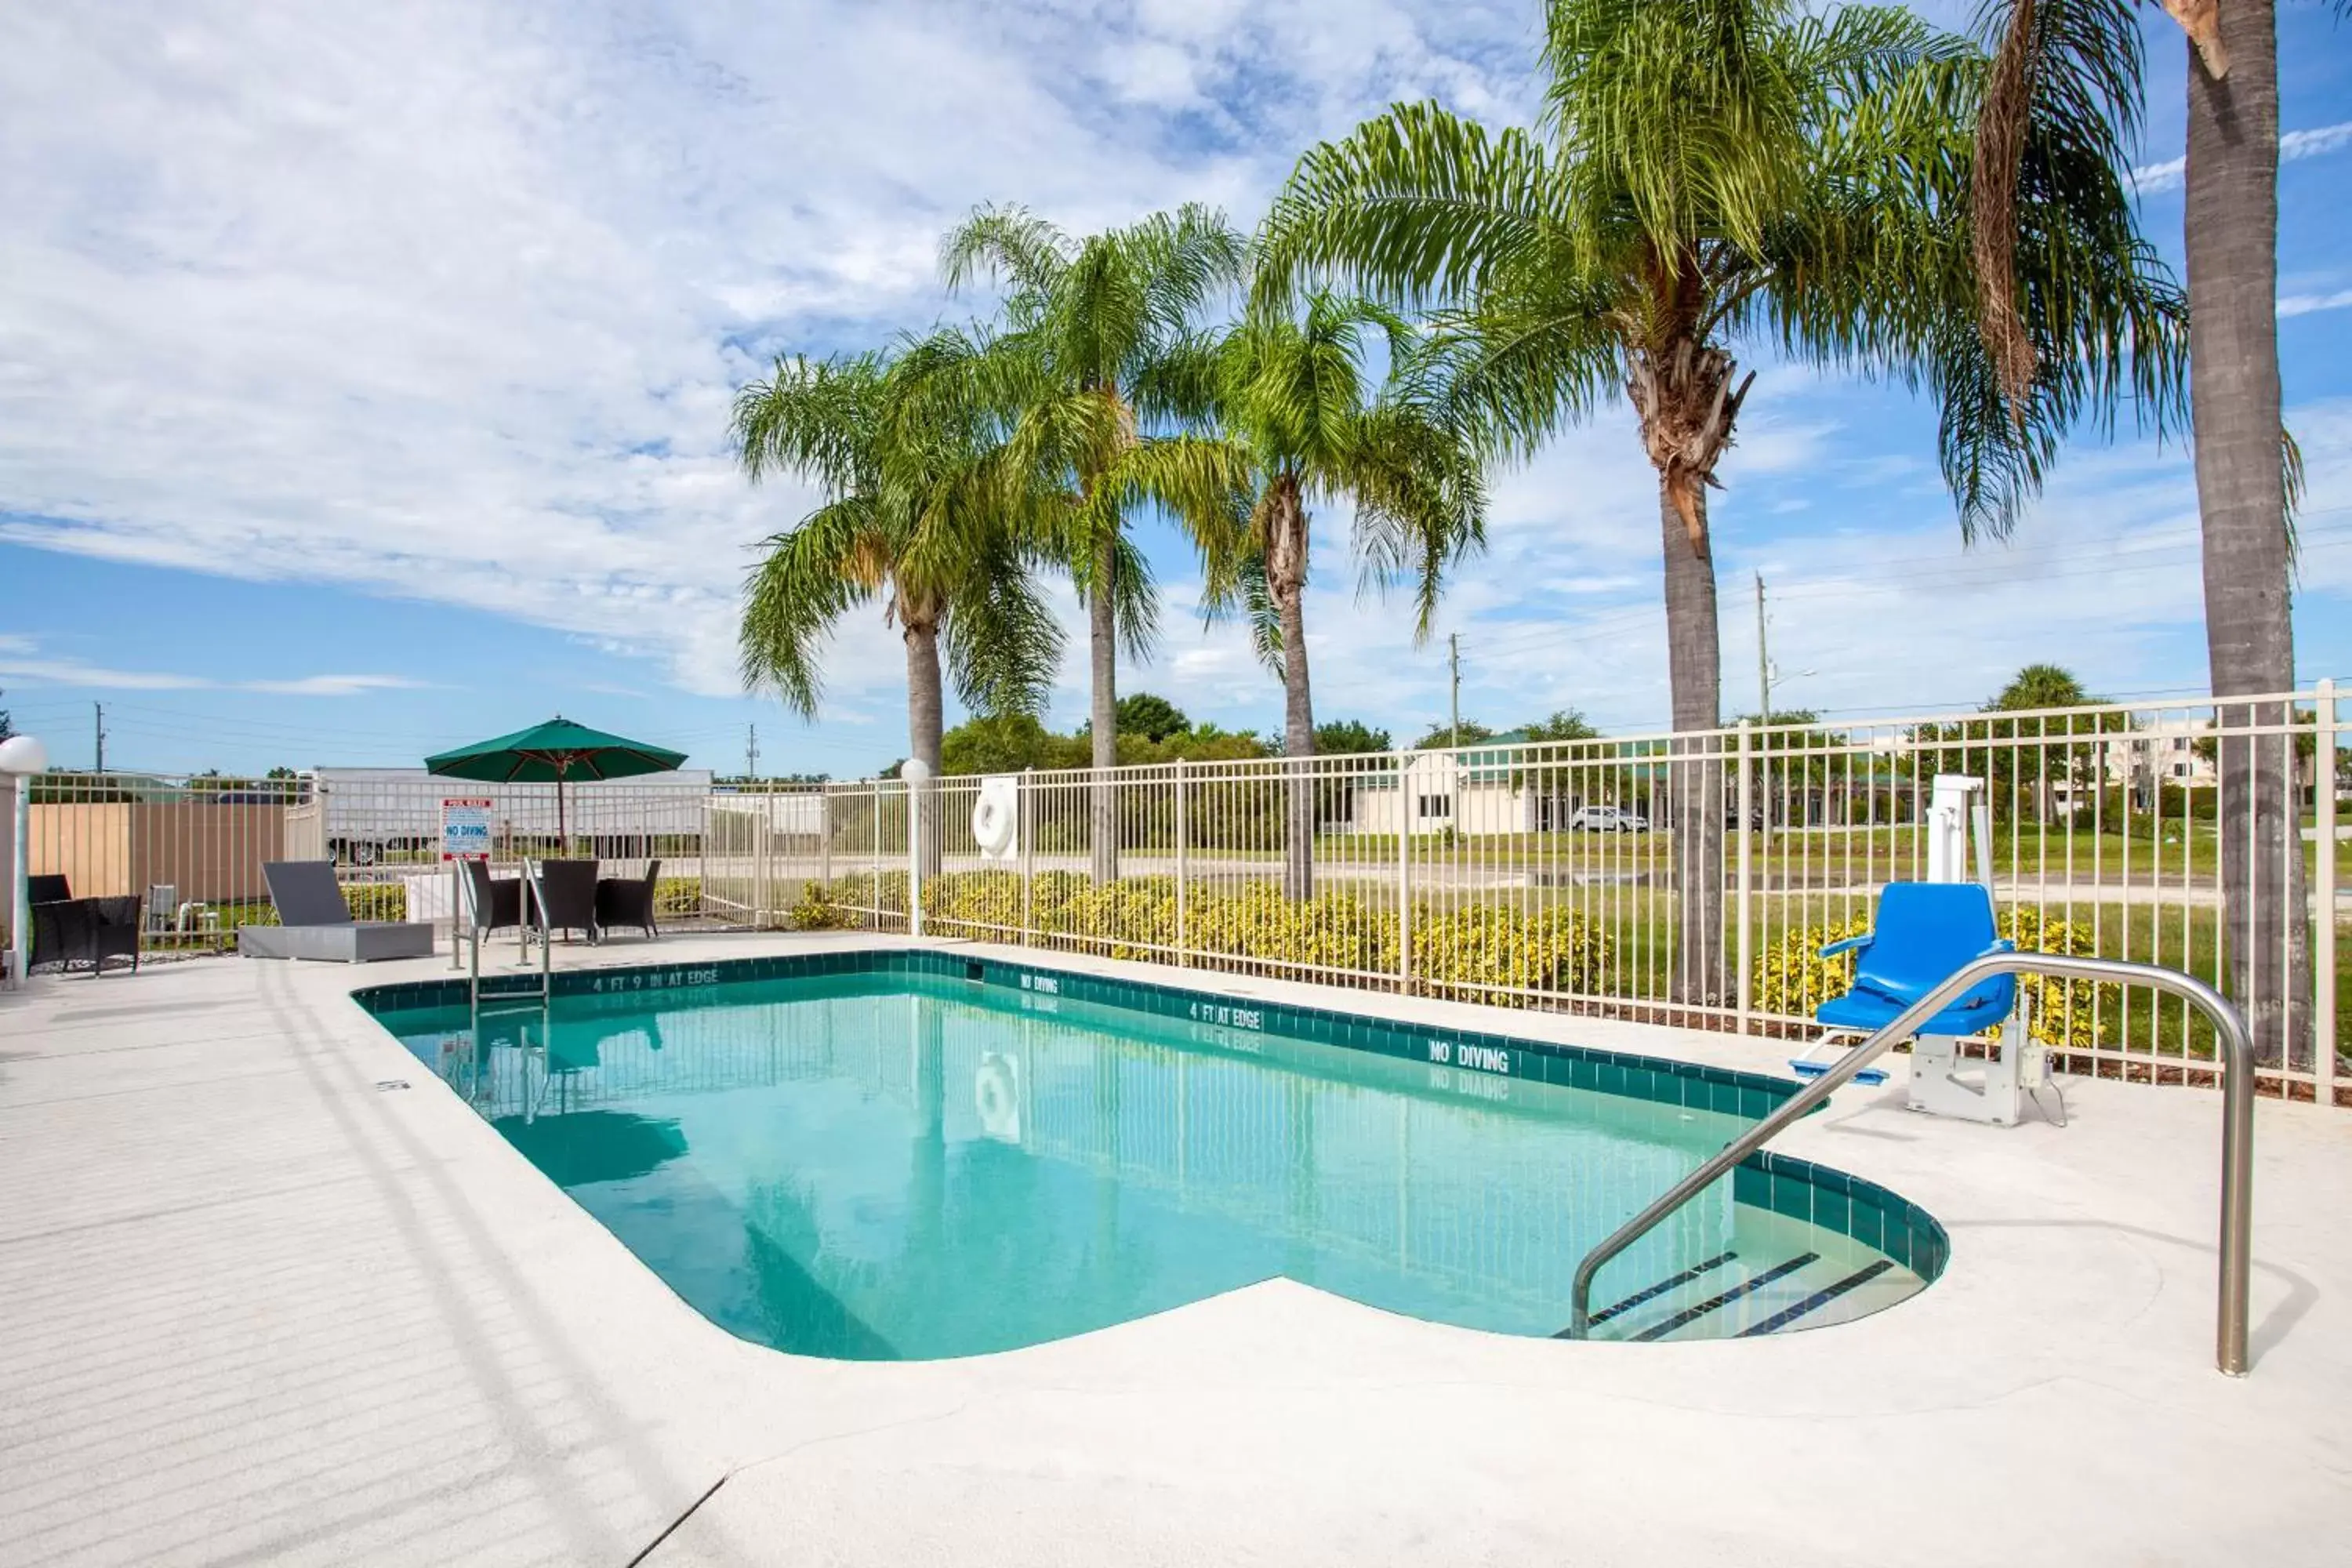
887	1167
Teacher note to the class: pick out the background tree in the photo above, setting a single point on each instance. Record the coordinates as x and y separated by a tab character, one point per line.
1348	736
2083	57
2026	760
1151	716
1440	736
1083	369
913	514
1714	171
1562	775
1008	743
1295	391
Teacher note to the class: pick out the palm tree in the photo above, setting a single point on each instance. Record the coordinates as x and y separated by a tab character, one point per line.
1291	390
913	514
1092	331
1719	171
2086	55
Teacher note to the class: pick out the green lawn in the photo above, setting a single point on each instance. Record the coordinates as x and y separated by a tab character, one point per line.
1830	857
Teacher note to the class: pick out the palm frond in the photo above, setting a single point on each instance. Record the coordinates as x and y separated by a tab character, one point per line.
1009	243
811	575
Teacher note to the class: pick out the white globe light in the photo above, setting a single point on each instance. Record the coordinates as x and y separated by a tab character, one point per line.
23	754
915	770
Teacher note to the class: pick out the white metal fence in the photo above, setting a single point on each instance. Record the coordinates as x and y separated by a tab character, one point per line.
1670	878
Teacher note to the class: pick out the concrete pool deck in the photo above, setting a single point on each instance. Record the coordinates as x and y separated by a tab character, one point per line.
256	1306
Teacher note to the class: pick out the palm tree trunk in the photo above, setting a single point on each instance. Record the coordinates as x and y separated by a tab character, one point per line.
1102	637
925	722
1682	389
1695	673
1285	572
2232	237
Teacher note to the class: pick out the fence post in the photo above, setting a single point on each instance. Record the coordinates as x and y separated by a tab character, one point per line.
2322	957
824	836
917	775
1404	872
1026	826
1744	954
757	839
1183	840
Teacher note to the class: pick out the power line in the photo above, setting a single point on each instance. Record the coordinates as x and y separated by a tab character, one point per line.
1538	639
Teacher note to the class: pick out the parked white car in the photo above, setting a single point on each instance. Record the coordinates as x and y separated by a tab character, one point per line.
1606	819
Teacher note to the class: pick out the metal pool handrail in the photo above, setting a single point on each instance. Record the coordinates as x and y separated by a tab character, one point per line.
2237	1126
546	933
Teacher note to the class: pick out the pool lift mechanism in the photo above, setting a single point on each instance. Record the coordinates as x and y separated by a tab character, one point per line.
1977	1060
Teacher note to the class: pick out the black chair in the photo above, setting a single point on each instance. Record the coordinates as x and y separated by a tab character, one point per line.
83	933
48	889
571	889
628	901
498	901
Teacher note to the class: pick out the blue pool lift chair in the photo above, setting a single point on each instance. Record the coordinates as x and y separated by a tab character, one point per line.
1923	932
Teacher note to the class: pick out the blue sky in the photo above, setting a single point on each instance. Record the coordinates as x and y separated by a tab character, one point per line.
364	375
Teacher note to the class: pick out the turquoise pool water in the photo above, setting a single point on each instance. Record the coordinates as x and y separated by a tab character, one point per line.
908	1166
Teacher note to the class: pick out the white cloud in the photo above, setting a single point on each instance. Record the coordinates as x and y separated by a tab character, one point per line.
450	302
2169	174
334	685
2307	304
22	660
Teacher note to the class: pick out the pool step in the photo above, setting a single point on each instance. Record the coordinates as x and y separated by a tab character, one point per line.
1732	1297
1697	1312
1820	1299
1672	1282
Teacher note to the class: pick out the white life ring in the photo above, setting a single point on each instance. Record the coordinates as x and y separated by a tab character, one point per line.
994	820
996	1096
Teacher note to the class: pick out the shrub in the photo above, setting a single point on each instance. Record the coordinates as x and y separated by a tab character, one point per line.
1792	975
2066	1013
1461	950
373	900
677	896
817	909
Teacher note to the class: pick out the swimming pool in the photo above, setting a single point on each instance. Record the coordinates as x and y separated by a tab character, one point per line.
887	1155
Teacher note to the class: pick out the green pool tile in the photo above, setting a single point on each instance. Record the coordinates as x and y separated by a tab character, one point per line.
1791	1196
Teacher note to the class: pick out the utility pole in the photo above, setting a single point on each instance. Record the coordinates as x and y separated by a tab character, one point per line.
1763	660
1454	665
97	733
751	754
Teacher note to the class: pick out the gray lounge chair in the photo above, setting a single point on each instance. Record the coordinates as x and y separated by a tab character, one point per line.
315	922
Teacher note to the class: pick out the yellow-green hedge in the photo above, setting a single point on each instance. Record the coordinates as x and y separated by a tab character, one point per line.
1462	951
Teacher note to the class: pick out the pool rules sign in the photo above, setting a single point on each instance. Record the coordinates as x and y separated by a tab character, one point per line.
466	828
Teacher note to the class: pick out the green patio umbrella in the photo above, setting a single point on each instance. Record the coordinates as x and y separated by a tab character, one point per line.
553	753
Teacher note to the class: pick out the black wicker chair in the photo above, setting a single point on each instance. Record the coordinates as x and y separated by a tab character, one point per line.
628	901
571	889
48	889
83	933
498	900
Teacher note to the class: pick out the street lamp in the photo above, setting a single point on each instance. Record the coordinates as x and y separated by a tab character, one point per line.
22	756
1773	677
